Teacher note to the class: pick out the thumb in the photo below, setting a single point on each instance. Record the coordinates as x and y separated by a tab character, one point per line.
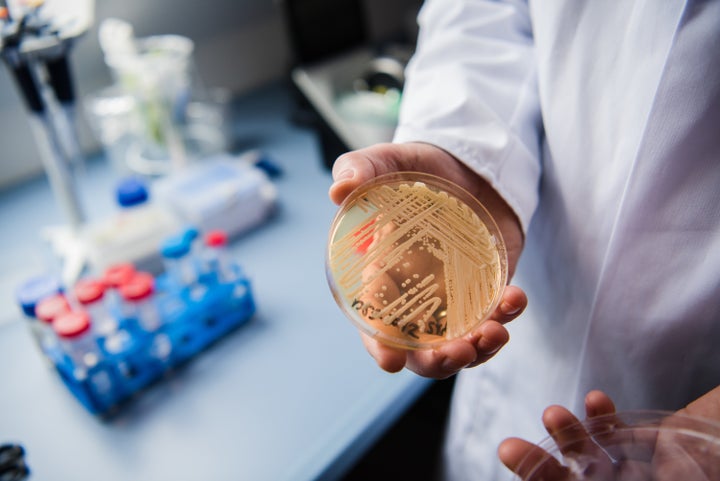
356	167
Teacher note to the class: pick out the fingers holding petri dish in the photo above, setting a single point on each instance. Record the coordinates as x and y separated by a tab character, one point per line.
626	446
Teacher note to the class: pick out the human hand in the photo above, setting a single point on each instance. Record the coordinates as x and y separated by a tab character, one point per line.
522	457
353	169
605	448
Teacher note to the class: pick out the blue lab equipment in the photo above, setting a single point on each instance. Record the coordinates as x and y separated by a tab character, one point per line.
32	291
110	368
131	191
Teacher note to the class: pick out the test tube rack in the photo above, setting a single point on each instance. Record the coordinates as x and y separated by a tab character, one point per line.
193	318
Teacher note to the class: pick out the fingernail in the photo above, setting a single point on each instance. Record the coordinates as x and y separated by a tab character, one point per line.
346	174
508	309
450	364
490	348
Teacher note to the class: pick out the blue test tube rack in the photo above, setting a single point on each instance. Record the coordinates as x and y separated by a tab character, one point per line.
193	318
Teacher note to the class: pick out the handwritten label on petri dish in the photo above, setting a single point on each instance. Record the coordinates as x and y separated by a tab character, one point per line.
412	264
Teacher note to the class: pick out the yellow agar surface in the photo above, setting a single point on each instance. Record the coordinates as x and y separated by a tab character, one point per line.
414	266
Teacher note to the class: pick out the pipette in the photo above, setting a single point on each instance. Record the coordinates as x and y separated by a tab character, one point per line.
29	44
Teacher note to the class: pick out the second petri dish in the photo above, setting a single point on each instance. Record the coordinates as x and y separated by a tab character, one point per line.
414	260
628	446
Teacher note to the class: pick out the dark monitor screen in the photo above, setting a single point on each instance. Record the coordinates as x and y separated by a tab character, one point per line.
320	29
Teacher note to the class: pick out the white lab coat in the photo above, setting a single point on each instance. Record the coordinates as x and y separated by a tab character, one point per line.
599	122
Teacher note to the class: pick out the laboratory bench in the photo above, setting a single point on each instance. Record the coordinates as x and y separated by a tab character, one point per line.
290	396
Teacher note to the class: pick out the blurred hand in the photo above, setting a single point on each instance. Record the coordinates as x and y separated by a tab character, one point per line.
354	168
521	456
637	455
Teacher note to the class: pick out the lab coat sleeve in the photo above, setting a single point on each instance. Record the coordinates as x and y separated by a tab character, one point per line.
471	90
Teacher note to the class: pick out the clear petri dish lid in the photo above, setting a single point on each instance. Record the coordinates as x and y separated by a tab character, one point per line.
414	260
642	445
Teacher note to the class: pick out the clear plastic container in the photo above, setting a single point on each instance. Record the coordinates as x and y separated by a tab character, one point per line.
46	311
414	260
216	259
138	295
629	446
29	295
179	263
74	332
158	72
34	290
112	118
223	192
133	233
115	276
90	293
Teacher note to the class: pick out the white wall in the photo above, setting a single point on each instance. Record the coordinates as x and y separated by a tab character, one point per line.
239	45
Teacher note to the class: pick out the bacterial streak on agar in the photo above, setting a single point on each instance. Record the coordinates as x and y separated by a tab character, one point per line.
413	252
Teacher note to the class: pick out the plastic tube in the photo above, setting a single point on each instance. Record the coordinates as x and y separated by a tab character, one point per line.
90	294
216	256
114	277
29	294
46	312
74	332
137	294
179	264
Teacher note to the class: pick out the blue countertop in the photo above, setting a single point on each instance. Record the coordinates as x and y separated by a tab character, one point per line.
291	396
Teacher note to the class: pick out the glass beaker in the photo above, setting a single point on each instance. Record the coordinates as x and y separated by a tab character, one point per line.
158	72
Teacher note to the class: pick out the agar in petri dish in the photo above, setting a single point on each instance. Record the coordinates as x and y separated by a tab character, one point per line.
414	260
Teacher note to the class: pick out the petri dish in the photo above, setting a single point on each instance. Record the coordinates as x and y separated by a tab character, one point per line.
415	260
640	445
